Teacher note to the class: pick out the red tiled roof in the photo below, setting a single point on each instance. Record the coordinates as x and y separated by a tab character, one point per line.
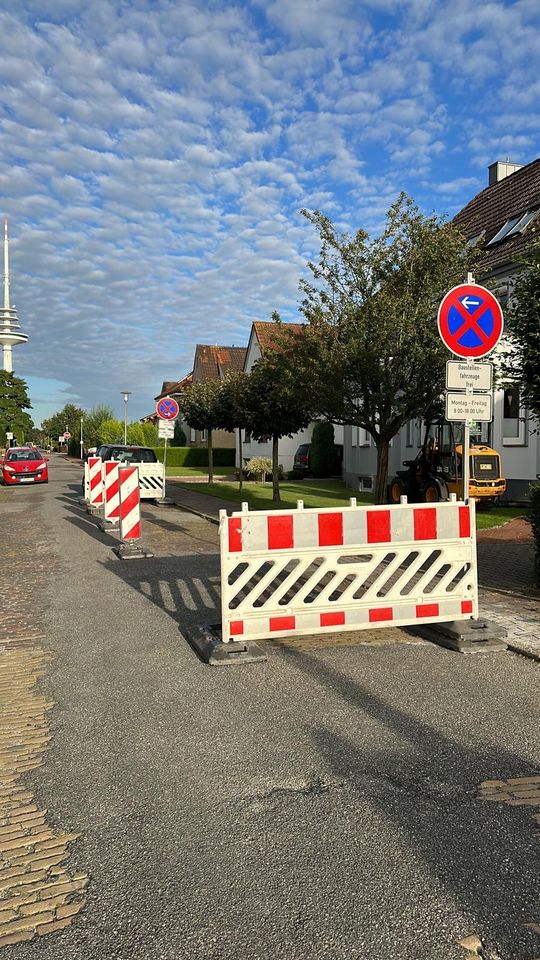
213	362
492	207
266	330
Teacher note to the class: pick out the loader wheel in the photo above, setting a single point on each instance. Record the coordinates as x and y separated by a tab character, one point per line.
396	489
431	493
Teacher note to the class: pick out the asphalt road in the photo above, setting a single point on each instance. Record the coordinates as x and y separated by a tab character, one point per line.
320	805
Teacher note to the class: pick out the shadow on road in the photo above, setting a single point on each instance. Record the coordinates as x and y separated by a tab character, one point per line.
185	587
486	856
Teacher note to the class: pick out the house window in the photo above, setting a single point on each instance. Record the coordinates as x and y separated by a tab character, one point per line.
247	436
514	417
409	437
204	436
364	438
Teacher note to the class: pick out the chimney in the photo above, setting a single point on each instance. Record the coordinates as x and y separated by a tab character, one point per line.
501	169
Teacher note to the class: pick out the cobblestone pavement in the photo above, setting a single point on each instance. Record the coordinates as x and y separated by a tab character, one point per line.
38	894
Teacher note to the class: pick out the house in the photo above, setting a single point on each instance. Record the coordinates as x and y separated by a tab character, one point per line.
262	338
499	217
214	363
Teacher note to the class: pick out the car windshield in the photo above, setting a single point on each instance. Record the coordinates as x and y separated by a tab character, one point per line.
24	455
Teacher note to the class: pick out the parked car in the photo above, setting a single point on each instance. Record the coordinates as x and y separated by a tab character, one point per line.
23	465
126	454
301	458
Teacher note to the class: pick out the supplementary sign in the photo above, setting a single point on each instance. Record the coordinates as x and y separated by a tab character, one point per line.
166	429
469	407
461	375
470	320
167	408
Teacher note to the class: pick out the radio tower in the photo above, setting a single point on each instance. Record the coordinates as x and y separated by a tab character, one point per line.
10	328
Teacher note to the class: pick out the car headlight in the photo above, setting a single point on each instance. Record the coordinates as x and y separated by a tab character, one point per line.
9	469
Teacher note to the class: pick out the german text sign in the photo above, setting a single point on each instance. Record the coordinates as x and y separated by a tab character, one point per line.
461	375
470	321
469	407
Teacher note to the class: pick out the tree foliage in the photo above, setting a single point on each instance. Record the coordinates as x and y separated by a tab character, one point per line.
278	404
201	409
371	353
14	403
68	418
522	363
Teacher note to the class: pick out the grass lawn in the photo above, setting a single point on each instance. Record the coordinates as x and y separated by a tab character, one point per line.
496	516
198	471
325	493
314	493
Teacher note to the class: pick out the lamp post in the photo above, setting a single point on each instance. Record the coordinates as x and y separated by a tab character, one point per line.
126	395
82	447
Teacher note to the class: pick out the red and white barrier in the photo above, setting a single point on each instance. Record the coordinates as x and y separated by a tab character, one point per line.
309	571
111	485
129	510
95	481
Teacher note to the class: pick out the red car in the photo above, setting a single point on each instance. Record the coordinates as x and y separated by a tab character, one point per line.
24	465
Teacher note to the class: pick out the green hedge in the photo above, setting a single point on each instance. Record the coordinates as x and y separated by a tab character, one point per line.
534	517
196	456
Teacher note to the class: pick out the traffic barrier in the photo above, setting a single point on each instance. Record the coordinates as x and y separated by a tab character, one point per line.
95	482
129	513
111	485
86	485
312	571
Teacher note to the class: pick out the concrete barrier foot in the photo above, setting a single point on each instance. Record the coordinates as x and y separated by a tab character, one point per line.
132	551
464	636
207	643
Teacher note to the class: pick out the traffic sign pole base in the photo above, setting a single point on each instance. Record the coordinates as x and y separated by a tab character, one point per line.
132	551
208	645
464	636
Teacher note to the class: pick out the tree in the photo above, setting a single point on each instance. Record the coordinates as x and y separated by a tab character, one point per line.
135	434
322	455
110	431
179	439
14	403
278	404
68	418
201	410
93	421
234	410
522	362
371	354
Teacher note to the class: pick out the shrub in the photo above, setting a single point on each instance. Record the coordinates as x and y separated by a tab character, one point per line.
322	453
196	456
295	474
534	517
259	468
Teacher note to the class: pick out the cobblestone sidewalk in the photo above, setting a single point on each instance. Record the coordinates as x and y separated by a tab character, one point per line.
38	895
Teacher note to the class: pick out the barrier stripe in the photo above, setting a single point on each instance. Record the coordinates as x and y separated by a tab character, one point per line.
112	490
280	533
464	522
95	481
379	527
425	523
130	503
235	534
330	529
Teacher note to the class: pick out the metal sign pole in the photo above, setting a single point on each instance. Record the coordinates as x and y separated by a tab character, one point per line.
165	470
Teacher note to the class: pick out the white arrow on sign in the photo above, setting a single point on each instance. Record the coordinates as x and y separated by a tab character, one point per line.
469	302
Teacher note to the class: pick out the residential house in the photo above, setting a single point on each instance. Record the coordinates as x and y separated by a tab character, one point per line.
261	338
214	363
500	217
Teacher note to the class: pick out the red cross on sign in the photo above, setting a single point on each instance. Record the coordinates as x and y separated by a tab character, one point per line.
470	320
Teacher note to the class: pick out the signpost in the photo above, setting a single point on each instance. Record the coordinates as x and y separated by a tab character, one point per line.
167	410
470	324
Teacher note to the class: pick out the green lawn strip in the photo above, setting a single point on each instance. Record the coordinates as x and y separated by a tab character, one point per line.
496	516
316	493
325	493
197	471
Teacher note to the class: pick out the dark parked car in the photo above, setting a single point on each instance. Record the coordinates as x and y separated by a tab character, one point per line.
126	454
301	458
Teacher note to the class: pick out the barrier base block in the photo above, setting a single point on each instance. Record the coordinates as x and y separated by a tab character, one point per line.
164	502
109	526
93	511
207	643
465	636
83	502
132	551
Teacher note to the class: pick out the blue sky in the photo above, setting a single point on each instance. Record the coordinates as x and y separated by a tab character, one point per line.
155	155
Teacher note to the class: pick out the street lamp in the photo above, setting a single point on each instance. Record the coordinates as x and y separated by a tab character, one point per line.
126	395
82	447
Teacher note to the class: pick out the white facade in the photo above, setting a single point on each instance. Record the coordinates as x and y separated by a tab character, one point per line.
287	445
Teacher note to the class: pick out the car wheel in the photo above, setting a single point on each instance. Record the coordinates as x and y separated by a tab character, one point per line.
431	492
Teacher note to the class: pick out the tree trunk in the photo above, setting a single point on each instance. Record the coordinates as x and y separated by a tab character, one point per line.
275	469
381	479
210	458
240	468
